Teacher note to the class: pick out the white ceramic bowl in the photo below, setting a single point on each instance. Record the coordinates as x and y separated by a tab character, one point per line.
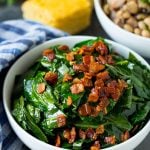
137	43
29	58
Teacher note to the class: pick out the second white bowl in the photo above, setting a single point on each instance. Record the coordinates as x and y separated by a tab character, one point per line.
137	43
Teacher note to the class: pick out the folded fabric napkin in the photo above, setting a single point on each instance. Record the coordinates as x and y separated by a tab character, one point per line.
17	37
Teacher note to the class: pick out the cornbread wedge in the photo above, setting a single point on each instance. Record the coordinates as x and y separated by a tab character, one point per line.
71	16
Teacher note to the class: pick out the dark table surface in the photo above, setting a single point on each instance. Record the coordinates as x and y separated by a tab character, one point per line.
14	12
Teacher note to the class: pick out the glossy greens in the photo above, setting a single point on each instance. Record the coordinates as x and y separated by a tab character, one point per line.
83	97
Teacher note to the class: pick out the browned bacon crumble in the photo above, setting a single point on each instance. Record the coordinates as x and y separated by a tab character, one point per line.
96	78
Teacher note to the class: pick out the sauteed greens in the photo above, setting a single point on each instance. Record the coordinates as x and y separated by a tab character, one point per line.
85	97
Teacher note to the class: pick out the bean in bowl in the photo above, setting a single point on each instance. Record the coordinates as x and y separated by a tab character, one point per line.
131	15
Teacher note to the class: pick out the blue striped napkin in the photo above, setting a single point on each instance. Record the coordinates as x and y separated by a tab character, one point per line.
17	37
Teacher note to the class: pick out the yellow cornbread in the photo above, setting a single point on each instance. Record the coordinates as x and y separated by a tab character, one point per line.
68	15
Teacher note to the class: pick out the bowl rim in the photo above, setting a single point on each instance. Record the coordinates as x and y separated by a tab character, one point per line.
97	4
11	118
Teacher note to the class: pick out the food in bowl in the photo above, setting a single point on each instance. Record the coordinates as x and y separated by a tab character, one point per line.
133	16
83	97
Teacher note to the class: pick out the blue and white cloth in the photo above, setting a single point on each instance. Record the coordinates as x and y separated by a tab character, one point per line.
17	37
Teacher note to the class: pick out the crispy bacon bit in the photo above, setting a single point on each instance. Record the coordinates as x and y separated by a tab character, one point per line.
61	120
76	80
122	85
94	95
64	48
87	75
67	77
102	48
51	77
70	56
72	63
105	111
87	59
100	129
82	134
94	112
125	136
95	67
110	140
86	50
85	109
101	59
72	135
86	82
90	133
69	101
80	51
103	75
113	83
116	95
109	59
66	134
102	92
104	102
80	67
49	53
98	108
77	88
99	83
41	88
58	141
96	145
94	148
113	90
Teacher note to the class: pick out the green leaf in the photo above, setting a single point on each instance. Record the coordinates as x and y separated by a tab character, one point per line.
34	128
119	71
90	122
117	58
77	145
66	145
10	2
34	113
63	69
126	99
43	101
119	121
140	87
122	63
146	1
111	105
89	42
65	93
140	114
50	65
134	60
50	121
112	130
58	53
86	124
19	112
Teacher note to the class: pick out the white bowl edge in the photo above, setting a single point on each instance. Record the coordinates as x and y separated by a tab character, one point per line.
28	139
137	43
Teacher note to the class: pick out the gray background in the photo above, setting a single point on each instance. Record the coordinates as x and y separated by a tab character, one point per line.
14	12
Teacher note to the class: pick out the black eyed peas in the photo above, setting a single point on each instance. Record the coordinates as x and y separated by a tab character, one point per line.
131	15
